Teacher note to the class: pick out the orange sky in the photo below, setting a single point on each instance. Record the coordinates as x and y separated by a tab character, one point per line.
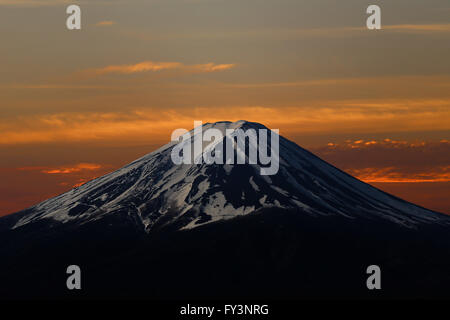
77	104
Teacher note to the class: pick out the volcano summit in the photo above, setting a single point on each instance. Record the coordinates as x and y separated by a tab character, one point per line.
170	230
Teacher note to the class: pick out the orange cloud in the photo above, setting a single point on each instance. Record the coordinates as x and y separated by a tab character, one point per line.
389	160
138	67
384	143
419	27
155	125
25	186
152	66
105	23
391	174
210	67
64	169
82	172
77	168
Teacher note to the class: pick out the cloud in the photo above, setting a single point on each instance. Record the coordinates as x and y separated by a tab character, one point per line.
64	169
418	28
72	169
156	124
209	67
388	81
395	175
387	144
105	23
138	67
390	160
417	171
27	185
151	66
77	174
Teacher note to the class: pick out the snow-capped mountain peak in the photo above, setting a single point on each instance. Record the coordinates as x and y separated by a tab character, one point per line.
154	191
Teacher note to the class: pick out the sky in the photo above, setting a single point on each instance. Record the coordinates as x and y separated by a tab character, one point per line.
77	104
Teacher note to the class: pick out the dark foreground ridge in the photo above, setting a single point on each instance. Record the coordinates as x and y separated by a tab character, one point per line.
274	254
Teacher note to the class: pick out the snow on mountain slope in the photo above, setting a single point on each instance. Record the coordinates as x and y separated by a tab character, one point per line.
153	190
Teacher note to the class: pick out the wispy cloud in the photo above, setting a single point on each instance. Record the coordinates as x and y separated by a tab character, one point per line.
64	169
386	143
390	160
209	67
138	67
419	28
395	175
157	123
436	80
77	168
105	23
151	66
44	181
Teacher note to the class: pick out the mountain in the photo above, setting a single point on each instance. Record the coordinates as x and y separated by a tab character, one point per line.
157	227
152	191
